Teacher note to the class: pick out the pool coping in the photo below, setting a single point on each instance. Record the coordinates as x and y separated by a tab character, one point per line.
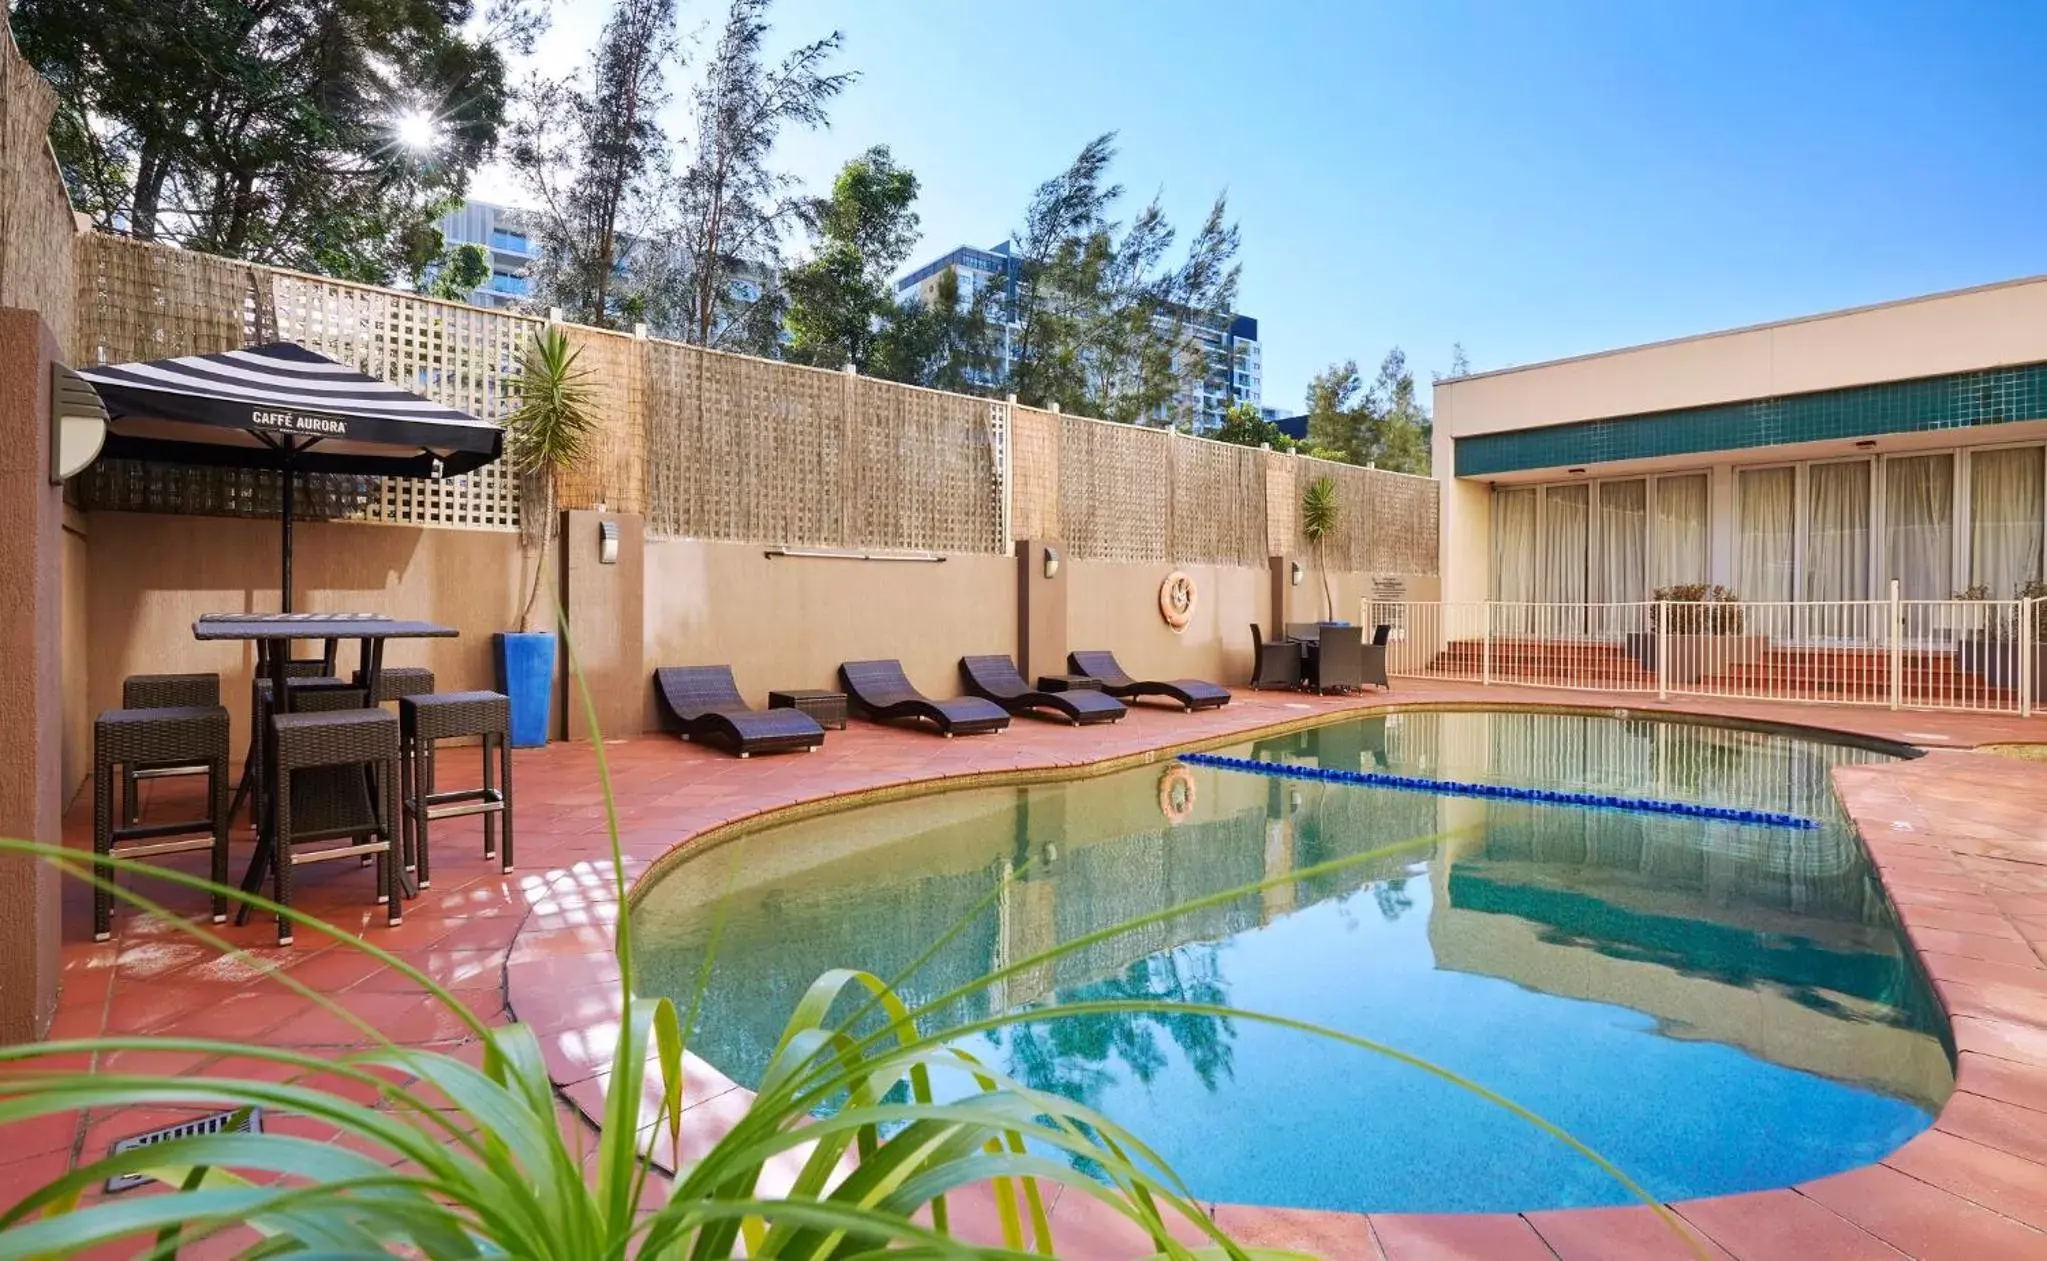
1974	1174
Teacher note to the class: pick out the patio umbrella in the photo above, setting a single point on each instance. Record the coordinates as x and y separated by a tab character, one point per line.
287	408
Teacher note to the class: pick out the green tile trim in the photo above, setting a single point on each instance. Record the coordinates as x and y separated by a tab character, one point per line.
1962	400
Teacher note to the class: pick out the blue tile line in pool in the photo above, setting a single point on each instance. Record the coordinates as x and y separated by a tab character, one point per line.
1505	792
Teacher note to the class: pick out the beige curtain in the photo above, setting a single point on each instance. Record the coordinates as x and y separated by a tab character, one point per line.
1623	566
1837	531
2005	507
1766	507
1514	543
1919	526
1566	534
1680	545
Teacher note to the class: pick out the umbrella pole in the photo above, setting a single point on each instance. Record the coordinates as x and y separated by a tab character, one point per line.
285	589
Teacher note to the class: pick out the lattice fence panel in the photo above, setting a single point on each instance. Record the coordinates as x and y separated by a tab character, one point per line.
745	449
136	300
452	353
1281	503
1115	490
926	470
1034	473
613	470
1218	503
1388	522
35	213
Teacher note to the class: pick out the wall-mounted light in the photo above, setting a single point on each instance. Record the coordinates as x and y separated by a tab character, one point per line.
1295	573
1867	444
1575	472
78	423
1051	562
607	542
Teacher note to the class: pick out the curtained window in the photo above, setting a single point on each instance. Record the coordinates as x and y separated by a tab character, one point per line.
1623	568
1680	555
1837	533
2005	505
1919	526
1514	543
1766	508
1566	534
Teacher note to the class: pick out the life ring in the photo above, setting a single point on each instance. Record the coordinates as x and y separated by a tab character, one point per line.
1176	599
1176	795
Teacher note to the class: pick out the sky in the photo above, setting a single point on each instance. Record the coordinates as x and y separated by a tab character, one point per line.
1529	178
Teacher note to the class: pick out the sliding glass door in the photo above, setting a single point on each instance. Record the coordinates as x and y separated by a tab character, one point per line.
1919	526
2005	509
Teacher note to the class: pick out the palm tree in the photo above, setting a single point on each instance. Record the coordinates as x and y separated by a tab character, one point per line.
547	435
1320	511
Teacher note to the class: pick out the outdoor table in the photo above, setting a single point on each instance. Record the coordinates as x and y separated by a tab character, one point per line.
273	633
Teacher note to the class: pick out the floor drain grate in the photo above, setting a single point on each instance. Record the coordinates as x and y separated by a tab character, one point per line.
252	1123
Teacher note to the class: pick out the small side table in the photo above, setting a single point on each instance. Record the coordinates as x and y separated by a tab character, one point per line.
829	708
1068	683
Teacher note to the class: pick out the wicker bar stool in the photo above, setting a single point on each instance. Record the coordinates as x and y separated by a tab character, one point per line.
310	691
426	720
394	682
176	736
162	691
314	804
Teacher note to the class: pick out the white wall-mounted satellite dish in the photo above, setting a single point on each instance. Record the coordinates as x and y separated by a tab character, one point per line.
78	423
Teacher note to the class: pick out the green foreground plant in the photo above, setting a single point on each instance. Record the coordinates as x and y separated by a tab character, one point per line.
458	1160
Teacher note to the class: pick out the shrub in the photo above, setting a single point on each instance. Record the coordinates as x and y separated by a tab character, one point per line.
1697	609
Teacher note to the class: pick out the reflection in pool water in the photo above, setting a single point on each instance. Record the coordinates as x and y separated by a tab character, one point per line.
1714	1007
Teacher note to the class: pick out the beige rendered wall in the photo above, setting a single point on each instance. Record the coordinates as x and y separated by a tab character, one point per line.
73	641
1116	606
1949	332
152	575
788	622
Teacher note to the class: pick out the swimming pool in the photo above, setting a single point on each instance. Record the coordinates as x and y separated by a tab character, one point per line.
1714	1006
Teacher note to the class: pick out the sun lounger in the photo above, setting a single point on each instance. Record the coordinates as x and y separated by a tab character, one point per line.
996	678
1192	694
879	690
702	702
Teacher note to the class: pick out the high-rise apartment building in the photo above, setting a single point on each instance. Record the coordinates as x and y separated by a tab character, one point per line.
507	244
1234	371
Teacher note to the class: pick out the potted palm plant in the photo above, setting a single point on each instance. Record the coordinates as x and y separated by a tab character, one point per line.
547	434
1321	510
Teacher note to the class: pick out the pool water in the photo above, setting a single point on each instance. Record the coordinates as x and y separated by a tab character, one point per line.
1714	1007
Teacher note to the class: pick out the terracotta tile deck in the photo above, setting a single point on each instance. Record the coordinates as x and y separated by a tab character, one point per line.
1959	837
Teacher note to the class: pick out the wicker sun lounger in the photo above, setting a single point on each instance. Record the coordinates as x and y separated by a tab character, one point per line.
879	690
996	678
1191	694
702	702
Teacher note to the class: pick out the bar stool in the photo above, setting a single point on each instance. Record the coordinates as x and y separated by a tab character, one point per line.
328	806
425	720
310	691
173	736
162	691
394	682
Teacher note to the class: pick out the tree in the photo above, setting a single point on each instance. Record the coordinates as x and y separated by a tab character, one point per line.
1383	424
591	152
731	208
1321	511
1245	426
840	302
455	273
1105	327
946	344
326	135
548	433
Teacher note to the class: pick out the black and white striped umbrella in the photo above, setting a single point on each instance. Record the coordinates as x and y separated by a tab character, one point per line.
283	406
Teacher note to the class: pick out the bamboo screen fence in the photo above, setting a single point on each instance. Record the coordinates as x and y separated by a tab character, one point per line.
724	447
35	212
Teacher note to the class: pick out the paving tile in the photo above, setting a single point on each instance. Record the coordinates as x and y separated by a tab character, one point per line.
1458	1237
2004	1039
1332	1236
1622	1234
1998	1180
1996	1123
2007	1080
1782	1226
1924	1221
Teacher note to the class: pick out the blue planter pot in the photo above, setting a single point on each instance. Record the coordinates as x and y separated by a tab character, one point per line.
526	675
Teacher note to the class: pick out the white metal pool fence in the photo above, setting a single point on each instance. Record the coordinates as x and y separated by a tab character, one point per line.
1971	655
